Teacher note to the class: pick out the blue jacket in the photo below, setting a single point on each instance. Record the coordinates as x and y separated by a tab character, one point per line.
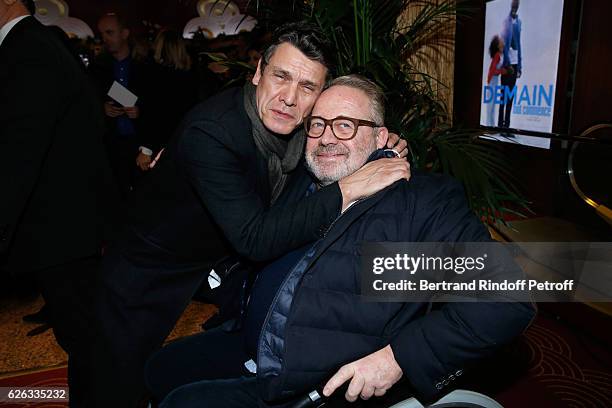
318	322
512	36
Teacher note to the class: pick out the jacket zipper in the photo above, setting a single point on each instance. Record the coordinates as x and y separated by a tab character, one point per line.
259	343
274	301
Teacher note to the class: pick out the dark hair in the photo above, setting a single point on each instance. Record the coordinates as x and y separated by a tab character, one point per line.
29	4
494	46
307	38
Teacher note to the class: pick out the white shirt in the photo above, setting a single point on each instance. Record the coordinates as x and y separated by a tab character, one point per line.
9	26
512	53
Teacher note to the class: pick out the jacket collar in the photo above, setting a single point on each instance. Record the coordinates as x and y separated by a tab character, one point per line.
354	212
6	29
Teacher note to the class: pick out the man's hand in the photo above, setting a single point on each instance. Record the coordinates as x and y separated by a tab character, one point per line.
132	112
143	161
111	110
399	145
371	178
372	375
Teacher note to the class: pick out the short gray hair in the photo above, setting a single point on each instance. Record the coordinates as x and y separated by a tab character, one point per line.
374	92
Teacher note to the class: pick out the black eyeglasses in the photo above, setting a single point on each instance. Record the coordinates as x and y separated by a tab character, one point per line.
344	128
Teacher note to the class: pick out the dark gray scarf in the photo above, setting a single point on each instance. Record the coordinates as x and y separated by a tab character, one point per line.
282	156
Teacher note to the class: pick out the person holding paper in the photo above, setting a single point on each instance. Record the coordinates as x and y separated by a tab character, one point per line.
57	190
122	81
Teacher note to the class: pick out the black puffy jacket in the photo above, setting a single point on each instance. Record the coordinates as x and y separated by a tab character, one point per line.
318	321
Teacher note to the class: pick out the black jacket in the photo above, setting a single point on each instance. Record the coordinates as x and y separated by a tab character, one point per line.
318	321
139	82
175	93
209	195
53	171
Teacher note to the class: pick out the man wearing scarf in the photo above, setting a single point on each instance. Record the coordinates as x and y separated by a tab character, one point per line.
231	182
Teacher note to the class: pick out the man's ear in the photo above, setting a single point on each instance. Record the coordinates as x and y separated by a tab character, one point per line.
382	135
257	75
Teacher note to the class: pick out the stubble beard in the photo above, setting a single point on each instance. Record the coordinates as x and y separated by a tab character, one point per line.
326	174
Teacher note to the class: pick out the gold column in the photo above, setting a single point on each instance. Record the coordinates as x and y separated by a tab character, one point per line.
435	52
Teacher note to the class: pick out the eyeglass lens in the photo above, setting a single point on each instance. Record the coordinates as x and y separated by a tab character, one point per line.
342	128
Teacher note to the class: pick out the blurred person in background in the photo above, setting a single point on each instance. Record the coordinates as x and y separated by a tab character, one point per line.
175	93
57	193
121	62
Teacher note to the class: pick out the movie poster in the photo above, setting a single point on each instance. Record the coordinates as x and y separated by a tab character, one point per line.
519	73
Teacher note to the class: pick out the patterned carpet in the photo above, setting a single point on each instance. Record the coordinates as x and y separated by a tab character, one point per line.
50	377
39	362
561	368
555	364
19	352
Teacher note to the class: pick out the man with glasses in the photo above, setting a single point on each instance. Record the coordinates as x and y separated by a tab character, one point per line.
314	329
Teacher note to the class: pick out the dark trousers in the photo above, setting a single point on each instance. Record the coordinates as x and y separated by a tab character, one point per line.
226	393
207	371
137	305
505	109
122	152
213	355
67	291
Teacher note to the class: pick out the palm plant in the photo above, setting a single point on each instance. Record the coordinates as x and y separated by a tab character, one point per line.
371	40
